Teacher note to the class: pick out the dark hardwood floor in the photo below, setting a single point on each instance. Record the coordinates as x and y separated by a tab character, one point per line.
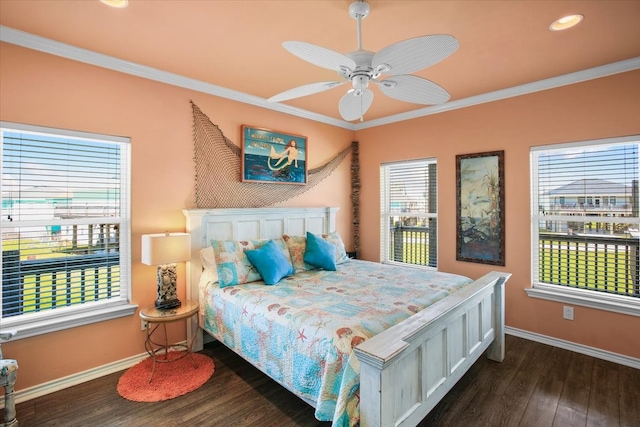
536	385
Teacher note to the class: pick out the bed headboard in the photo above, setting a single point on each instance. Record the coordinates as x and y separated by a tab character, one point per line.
205	225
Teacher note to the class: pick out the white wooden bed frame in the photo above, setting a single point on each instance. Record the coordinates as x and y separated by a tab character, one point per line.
405	370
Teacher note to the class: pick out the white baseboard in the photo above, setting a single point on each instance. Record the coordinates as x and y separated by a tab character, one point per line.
120	365
75	379
78	378
578	348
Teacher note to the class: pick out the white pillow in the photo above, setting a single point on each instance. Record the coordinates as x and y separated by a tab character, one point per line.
209	270
209	275
208	258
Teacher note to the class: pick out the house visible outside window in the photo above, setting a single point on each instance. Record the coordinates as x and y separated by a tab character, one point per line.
65	228
409	221
586	253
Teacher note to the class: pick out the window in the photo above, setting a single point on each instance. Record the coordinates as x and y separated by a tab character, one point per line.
583	252
409	222
65	228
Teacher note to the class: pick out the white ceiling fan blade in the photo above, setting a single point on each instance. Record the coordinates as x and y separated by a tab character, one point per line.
305	90
411	55
414	89
353	107
320	56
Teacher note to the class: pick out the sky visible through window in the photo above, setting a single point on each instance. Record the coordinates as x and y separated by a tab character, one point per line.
40	169
616	163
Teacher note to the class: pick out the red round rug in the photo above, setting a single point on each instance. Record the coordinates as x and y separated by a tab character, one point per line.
170	380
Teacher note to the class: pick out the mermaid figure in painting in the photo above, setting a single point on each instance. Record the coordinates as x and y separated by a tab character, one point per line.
290	154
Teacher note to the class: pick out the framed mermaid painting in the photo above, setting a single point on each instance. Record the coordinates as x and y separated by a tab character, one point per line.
272	156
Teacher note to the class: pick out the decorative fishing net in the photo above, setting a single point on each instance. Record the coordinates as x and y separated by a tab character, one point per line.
218	183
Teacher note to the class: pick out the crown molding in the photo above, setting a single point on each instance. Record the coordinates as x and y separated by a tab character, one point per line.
42	44
550	83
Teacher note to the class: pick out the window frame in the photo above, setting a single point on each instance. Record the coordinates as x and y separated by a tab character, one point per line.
558	293
72	316
386	213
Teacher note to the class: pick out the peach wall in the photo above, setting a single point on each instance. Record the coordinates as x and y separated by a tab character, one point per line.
45	90
607	107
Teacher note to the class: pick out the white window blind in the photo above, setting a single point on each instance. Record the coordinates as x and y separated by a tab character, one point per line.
409	222
585	216
65	223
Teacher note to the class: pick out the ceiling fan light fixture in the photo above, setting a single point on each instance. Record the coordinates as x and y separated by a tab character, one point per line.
360	82
566	22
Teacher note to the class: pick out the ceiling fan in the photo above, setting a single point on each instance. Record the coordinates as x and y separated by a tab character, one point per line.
362	67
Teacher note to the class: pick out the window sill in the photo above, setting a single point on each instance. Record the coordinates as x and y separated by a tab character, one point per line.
33	325
586	298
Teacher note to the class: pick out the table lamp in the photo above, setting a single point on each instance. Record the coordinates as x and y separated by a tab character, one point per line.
165	250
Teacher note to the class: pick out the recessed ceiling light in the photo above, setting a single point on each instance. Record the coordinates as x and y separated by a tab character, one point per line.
116	3
566	22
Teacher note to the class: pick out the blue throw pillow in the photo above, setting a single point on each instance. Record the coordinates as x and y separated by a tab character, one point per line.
270	262
320	253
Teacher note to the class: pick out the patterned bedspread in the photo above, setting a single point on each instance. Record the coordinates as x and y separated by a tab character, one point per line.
302	331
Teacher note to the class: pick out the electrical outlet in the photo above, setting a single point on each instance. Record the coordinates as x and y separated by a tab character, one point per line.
567	312
143	325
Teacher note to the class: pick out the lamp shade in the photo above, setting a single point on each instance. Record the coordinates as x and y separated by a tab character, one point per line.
165	248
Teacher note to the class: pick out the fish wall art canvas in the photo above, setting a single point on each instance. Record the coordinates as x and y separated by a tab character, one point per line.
480	208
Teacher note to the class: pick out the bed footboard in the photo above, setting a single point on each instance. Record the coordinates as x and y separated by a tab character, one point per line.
406	370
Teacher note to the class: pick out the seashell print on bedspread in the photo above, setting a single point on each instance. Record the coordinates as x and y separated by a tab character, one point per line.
302	330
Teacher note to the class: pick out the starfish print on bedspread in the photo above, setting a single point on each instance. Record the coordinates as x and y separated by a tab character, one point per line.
321	323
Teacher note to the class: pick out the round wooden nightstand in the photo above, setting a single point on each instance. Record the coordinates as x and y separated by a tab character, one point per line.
154	317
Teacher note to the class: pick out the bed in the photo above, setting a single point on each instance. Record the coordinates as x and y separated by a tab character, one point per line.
389	369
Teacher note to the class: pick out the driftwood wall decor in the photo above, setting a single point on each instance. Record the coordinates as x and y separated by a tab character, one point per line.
355	195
